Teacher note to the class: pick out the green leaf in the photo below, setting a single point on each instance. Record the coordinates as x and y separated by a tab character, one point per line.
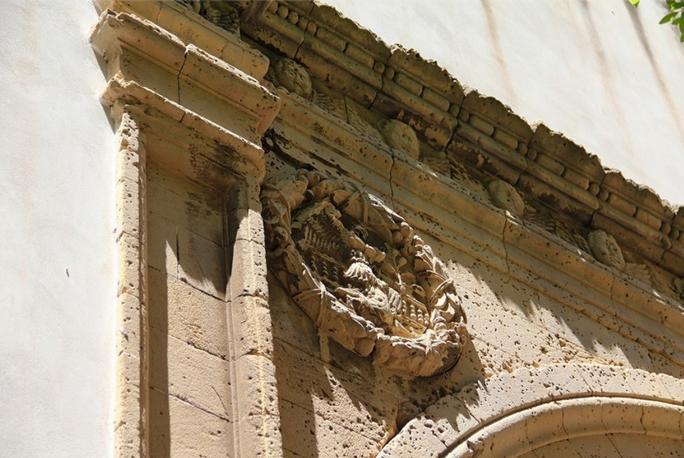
668	18
634	2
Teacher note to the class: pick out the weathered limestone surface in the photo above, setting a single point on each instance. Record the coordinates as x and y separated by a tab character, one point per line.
328	248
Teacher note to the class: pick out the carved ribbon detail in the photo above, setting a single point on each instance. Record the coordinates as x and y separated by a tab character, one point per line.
360	272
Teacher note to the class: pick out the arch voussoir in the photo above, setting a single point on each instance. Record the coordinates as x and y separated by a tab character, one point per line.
518	412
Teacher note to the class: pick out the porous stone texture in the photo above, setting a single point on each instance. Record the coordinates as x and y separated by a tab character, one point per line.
506	197
315	260
401	136
293	77
362	274
190	396
605	249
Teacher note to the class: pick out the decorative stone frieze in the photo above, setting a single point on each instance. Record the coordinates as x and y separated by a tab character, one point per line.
477	130
457	208
362	274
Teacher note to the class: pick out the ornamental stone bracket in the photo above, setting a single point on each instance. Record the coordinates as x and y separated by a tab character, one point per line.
362	274
146	63
184	112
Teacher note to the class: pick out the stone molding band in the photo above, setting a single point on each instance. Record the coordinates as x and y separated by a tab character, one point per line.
501	239
474	129
513	436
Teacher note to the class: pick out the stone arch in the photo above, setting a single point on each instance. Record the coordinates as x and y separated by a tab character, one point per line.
512	414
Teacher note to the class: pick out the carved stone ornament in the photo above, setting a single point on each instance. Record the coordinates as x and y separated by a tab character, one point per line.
505	196
401	136
293	77
220	12
547	220
223	14
605	249
437	161
360	272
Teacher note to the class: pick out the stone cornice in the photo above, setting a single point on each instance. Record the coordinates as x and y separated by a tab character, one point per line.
476	130
491	139
147	64
192	28
526	252
482	133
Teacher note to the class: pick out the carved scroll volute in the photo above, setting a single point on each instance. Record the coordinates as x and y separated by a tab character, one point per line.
360	272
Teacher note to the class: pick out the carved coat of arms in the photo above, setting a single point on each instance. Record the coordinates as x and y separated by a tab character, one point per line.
362	274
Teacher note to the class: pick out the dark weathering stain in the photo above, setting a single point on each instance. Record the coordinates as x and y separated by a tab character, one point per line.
496	42
662	84
604	68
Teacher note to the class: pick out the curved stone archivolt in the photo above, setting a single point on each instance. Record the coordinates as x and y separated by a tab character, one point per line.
516	413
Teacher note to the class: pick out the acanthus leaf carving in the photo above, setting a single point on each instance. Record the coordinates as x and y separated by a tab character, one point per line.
545	219
362	274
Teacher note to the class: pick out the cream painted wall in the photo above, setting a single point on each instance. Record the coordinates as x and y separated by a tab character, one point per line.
57	269
605	74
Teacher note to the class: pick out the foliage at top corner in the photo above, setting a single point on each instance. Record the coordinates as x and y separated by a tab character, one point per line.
675	15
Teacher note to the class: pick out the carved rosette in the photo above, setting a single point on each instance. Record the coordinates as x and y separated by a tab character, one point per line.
360	272
605	249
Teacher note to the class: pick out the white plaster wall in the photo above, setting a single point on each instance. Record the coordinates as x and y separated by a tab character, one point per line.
57	269
605	74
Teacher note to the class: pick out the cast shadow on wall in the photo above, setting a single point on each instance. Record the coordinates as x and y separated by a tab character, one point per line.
514	325
189	386
330	400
